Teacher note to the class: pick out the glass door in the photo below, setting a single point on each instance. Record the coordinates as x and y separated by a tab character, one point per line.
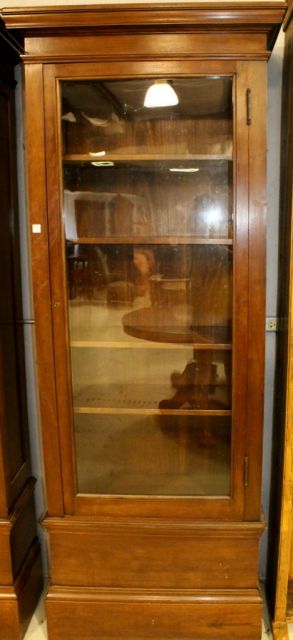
148	205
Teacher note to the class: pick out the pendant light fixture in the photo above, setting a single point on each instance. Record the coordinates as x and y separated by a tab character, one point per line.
160	94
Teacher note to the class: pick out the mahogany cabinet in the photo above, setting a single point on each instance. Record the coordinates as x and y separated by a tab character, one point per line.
20	561
146	149
280	556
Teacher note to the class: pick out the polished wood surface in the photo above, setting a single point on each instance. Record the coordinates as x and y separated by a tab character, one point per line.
170	46
41	286
153	614
256	305
153	553
161	325
121	563
200	14
234	33
279	583
14	432
21	569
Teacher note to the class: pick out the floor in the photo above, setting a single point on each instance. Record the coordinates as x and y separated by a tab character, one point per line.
38	627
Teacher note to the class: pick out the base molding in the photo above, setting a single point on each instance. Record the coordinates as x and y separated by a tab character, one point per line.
141	614
21	580
18	601
280	630
153	579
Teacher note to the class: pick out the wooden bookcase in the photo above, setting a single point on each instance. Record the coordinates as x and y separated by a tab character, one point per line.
20	559
280	565
148	254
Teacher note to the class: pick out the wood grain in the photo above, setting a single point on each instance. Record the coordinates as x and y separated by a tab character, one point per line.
159	14
153	554
256	310
18	603
13	412
41	286
143	615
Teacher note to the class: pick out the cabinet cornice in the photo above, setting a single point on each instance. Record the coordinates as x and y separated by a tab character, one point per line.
263	16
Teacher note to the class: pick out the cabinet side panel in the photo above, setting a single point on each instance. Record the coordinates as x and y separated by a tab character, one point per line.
257	234
9	624
17	512
13	420
41	283
5	556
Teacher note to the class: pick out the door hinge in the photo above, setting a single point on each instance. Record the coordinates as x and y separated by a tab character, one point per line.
248	106
245	471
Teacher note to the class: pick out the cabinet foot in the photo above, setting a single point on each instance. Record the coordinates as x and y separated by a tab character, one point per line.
142	614
280	631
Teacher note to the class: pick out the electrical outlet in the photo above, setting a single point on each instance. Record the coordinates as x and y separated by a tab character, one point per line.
272	324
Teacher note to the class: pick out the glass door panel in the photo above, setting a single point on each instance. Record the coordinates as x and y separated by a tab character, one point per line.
140	198
148	217
182	380
153	454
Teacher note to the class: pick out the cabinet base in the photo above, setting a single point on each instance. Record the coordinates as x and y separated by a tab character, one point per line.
141	579
280	631
21	580
131	614
18	601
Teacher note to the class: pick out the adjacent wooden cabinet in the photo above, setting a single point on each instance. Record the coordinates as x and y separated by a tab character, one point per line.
146	149
20	559
280	557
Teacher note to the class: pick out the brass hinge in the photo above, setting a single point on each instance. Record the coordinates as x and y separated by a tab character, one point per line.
245	471
248	106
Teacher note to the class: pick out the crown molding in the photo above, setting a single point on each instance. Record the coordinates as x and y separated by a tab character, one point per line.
267	14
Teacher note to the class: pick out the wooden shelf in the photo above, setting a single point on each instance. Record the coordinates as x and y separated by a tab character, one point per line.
99	344
74	158
173	240
152	412
153	399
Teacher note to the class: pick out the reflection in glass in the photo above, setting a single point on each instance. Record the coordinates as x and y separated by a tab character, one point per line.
148	219
141	199
153	455
183	379
154	292
104	116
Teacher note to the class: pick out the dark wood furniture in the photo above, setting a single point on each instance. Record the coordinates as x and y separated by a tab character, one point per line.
280	555
148	245
20	562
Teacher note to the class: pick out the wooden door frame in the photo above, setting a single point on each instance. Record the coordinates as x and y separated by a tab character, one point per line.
62	439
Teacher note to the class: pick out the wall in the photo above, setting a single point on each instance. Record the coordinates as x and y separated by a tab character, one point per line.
274	128
274	117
